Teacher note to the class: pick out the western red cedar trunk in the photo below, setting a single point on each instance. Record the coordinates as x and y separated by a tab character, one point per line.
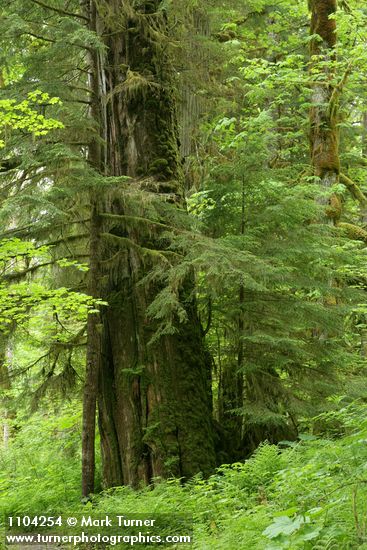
154	400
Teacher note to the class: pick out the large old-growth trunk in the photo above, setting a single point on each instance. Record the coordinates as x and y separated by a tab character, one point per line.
154	399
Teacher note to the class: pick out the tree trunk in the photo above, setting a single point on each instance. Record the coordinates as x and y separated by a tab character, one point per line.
5	386
324	135
94	330
154	400
92	367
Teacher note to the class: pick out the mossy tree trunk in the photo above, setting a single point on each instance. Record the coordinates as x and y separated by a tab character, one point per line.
154	399
324	135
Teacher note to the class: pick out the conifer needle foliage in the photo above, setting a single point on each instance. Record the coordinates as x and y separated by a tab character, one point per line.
183	232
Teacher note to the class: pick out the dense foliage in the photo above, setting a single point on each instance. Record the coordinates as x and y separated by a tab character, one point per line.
183	209
307	494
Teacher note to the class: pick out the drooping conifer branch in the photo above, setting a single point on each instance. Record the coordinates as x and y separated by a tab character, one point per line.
59	10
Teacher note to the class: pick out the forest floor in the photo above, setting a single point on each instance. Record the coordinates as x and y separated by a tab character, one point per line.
309	494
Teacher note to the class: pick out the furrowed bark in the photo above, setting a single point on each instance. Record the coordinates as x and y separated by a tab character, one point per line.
154	400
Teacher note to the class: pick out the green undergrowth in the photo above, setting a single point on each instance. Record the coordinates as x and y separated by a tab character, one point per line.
311	494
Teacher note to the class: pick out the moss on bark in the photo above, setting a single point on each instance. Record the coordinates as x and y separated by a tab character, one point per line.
154	398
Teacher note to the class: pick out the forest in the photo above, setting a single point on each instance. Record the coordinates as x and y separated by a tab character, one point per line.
183	271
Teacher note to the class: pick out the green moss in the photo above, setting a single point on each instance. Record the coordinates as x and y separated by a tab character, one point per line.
354	232
158	166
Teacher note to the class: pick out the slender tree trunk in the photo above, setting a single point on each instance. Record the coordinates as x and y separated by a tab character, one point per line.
154	400
5	385
232	379
94	331
93	366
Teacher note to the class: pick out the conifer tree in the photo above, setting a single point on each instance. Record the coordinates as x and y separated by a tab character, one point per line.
262	145
111	64
108	186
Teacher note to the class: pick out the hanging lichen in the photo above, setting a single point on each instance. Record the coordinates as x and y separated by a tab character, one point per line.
154	397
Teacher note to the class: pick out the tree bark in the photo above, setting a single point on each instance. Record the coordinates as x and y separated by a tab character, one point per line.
324	135
154	400
94	330
92	367
5	385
